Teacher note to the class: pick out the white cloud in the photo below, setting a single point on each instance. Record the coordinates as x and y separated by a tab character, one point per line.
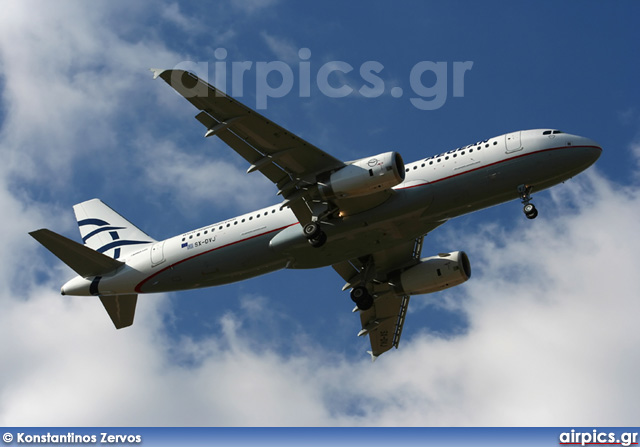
552	340
552	306
69	103
67	80
283	49
253	6
198	179
173	14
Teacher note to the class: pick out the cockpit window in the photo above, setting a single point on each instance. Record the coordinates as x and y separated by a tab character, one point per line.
555	132
546	132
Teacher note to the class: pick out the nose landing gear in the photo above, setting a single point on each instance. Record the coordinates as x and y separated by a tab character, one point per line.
529	209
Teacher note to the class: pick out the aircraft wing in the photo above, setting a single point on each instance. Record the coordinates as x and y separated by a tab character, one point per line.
384	321
284	158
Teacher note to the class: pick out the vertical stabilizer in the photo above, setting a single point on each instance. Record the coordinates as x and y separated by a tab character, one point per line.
106	231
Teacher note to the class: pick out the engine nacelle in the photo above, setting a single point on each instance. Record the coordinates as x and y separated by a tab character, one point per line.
436	273
365	176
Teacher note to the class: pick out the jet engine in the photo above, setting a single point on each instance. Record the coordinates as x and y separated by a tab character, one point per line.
435	273
365	176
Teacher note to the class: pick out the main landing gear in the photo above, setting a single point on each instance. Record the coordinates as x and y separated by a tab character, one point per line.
361	296
314	234
529	209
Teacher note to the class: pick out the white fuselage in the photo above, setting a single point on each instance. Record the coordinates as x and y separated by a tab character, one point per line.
434	190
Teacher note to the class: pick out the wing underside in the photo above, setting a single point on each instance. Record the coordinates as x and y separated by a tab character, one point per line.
298	169
287	160
384	320
294	165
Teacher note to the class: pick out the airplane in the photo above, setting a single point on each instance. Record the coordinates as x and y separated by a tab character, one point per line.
366	218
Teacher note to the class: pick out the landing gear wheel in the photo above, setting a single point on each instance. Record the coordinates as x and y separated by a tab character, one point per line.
312	230
314	234
525	196
361	296
319	240
530	211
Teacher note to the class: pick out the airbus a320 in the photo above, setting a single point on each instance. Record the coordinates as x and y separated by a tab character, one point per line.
366	218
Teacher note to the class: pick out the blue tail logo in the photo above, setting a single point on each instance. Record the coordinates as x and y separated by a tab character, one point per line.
116	242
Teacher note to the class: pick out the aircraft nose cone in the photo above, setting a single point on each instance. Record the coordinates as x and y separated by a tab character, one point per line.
586	150
595	152
591	151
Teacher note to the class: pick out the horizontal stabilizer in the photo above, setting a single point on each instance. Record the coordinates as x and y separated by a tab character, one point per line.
121	308
83	260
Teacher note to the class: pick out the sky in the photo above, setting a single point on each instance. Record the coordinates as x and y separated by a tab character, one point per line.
544	333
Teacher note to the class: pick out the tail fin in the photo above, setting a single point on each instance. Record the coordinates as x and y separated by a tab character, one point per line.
106	231
87	263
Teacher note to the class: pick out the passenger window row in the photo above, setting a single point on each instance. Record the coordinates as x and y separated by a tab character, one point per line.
220	227
454	153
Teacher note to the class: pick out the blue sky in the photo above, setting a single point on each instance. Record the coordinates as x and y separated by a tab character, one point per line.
81	117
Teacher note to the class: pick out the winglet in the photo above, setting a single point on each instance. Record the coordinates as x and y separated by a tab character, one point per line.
373	357
156	72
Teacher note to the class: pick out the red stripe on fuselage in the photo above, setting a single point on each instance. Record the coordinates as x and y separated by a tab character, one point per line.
139	286
494	163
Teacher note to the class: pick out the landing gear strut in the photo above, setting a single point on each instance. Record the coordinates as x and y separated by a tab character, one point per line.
314	234
529	209
361	296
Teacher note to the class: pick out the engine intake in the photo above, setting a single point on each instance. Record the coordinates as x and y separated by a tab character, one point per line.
365	176
436	273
